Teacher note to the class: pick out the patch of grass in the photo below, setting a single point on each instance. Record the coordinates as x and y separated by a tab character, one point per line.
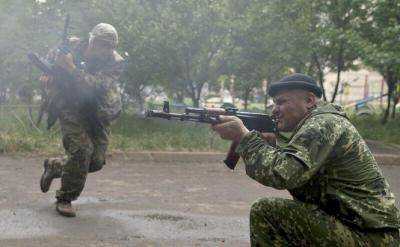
370	127
129	133
132	133
18	136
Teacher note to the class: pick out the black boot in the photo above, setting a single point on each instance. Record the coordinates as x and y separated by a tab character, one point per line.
51	171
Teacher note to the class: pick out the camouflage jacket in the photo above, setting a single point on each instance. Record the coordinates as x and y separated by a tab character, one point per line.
92	88
326	163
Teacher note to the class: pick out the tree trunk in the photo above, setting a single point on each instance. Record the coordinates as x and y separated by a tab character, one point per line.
179	96
385	116
336	86
246	98
141	104
192	94
339	70
320	75
196	95
139	100
321	83
124	102
395	101
390	80
196	102
266	95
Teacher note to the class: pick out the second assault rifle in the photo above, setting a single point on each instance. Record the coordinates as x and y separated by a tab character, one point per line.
253	121
47	65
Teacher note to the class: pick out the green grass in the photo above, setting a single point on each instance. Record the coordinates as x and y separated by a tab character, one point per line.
371	128
130	133
17	135
133	133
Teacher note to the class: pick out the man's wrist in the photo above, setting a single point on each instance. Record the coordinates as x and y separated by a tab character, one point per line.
242	135
242	145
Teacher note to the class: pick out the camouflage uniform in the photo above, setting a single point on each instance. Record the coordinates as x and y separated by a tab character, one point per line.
340	197
85	107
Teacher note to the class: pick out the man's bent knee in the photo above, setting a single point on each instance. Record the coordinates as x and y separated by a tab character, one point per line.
78	161
96	165
268	206
264	222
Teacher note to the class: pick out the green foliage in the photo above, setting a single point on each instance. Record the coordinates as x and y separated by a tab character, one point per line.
17	135
133	133
176	47
129	133
378	32
378	40
371	128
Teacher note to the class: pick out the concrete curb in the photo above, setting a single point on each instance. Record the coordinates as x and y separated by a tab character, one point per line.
387	159
176	157
191	157
212	157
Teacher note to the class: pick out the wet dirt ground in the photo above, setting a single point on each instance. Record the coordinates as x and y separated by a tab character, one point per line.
135	203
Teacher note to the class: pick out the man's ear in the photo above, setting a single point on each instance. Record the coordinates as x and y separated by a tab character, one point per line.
311	100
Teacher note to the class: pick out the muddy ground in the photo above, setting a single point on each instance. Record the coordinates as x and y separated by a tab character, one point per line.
135	202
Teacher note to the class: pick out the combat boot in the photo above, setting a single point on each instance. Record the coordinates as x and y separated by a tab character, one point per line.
65	208
51	171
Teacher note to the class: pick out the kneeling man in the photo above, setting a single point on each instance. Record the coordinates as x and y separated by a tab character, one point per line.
340	197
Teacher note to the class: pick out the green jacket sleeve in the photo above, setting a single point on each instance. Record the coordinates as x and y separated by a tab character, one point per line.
292	165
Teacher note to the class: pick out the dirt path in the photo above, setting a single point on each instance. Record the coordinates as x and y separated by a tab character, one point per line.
132	203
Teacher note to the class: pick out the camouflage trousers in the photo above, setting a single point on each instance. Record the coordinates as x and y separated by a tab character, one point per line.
85	142
284	222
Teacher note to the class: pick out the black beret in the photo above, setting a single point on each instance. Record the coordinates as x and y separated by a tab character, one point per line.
295	81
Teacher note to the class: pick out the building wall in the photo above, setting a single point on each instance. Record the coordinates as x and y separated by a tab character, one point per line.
356	85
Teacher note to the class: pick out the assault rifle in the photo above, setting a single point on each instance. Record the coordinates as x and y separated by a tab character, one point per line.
253	121
47	65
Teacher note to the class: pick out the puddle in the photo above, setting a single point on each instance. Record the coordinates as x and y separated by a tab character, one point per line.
171	225
158	216
23	223
90	199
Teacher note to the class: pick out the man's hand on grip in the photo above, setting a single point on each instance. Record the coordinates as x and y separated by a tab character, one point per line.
269	137
65	61
230	128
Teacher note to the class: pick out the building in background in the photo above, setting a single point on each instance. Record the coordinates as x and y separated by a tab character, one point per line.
355	86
